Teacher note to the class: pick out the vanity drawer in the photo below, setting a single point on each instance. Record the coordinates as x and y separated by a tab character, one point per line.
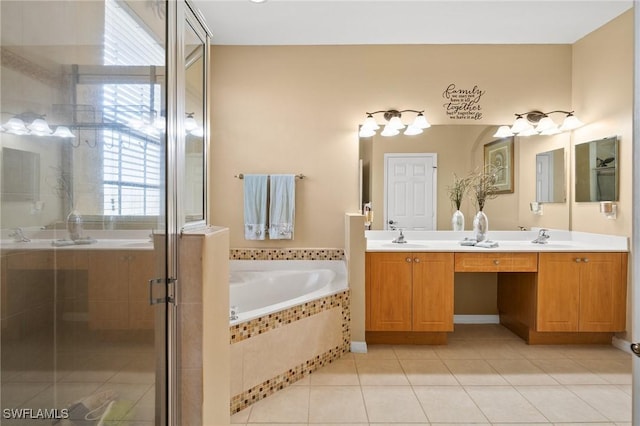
496	262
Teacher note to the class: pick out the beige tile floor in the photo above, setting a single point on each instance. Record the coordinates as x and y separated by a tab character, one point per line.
79	368
484	376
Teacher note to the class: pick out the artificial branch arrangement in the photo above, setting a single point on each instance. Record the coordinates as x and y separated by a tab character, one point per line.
458	189
483	184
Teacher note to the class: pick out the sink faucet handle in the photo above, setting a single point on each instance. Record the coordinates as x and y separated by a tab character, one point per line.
544	233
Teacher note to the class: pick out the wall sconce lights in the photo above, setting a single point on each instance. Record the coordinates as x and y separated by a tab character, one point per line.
538	123
609	209
394	123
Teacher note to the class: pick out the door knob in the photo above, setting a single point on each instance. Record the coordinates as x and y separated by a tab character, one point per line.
635	348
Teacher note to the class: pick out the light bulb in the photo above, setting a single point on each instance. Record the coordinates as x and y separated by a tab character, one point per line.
366	133
190	123
520	125
63	132
412	130
396	123
370	123
420	122
39	127
389	131
545	123
571	122
503	132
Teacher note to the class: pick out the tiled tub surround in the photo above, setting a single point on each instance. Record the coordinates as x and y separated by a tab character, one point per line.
271	351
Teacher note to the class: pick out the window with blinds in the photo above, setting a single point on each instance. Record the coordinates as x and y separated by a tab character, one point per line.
131	159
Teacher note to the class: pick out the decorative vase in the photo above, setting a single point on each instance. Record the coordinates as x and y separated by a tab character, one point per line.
480	226
74	225
457	221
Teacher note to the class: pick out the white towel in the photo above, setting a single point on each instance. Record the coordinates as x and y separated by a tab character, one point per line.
282	207
255	207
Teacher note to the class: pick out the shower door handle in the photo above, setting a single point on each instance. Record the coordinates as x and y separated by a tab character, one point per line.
165	282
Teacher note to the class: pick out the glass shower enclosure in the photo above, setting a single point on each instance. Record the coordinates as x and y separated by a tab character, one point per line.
90	147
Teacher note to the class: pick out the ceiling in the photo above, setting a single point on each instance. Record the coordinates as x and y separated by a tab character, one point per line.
325	22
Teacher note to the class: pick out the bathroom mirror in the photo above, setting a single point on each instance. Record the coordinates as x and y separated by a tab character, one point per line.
596	170
194	181
550	176
20	175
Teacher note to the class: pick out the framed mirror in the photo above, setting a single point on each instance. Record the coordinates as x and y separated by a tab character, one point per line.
596	170
550	176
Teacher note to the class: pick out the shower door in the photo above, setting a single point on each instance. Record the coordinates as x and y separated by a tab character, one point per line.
85	212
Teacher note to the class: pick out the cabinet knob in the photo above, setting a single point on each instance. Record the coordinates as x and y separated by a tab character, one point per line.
408	259
578	260
416	260
496	262
585	260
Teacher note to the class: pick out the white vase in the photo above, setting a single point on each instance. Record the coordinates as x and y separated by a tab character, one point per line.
74	225
457	221
480	226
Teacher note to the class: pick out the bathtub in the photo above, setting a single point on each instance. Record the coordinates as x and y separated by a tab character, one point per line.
293	317
261	287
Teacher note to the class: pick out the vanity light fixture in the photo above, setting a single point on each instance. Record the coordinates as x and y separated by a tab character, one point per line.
538	123
38	126
394	123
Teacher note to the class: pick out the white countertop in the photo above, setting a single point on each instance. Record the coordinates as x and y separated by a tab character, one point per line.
100	240
508	241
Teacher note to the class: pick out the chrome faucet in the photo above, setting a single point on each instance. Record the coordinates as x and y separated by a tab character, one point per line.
400	239
18	236
543	236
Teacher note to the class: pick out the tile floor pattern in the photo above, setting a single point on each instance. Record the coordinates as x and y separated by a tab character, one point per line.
84	367
485	375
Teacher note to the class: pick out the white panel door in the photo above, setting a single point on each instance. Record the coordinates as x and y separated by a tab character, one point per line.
544	177
410	191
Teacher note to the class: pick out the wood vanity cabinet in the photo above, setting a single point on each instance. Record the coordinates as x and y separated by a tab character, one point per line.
583	292
119	290
409	291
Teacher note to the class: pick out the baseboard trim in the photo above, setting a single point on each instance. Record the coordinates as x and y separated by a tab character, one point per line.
476	319
359	347
621	344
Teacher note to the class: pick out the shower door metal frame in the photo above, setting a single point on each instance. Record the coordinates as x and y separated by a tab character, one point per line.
178	12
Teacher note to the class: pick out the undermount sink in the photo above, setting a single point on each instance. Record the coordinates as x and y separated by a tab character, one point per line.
403	245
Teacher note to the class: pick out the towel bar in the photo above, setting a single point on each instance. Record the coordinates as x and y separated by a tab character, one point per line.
241	176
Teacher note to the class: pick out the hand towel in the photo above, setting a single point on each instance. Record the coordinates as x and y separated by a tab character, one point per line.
255	207
487	244
282	207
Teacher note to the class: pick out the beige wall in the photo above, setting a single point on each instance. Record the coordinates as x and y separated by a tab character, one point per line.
297	109
603	93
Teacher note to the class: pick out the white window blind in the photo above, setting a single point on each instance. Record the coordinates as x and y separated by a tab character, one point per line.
132	158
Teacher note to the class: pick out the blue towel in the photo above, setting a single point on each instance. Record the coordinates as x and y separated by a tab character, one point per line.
255	207
282	207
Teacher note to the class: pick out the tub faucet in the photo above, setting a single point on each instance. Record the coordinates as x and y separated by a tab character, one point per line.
18	236
400	239
543	236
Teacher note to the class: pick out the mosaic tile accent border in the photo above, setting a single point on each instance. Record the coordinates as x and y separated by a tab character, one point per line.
261	325
287	254
245	330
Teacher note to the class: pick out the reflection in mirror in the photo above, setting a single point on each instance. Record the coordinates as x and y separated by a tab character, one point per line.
597	170
20	175
194	182
550	186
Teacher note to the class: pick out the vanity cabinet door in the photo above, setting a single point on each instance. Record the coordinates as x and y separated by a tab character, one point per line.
558	292
388	291
433	291
582	292
603	290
